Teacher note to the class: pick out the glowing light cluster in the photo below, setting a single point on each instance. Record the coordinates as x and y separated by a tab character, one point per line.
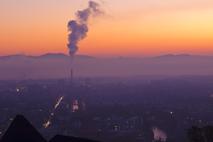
52	114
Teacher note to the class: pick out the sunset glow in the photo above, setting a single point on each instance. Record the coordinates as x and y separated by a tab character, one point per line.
140	28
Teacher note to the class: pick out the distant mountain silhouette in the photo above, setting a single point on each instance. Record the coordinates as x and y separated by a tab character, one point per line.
182	56
44	56
60	138
64	56
15	56
57	65
20	130
53	55
174	55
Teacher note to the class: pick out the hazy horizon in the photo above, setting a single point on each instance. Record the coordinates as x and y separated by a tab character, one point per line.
58	66
107	56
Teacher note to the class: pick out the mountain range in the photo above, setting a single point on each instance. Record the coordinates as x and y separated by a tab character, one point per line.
48	55
61	55
57	65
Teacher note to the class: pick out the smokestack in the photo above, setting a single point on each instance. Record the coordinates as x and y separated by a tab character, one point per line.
78	28
71	75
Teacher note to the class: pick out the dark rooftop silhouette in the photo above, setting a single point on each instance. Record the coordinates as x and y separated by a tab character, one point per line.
60	138
21	130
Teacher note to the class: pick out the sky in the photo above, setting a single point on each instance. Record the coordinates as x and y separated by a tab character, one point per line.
129	27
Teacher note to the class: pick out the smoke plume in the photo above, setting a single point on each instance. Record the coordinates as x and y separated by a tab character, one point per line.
159	135
78	28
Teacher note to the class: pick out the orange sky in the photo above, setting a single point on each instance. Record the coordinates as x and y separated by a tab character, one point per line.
130	28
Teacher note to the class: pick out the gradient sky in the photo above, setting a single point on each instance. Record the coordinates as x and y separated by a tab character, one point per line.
130	27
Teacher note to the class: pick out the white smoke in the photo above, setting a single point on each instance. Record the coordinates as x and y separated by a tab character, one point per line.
159	135
78	28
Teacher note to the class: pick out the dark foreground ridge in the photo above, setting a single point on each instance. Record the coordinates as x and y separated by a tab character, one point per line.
59	138
21	130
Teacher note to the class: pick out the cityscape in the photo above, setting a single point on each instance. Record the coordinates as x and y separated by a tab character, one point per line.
111	109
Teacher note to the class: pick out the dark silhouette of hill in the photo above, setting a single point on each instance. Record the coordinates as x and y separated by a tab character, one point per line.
20	130
52	55
60	55
64	56
60	138
57	66
44	56
183	57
